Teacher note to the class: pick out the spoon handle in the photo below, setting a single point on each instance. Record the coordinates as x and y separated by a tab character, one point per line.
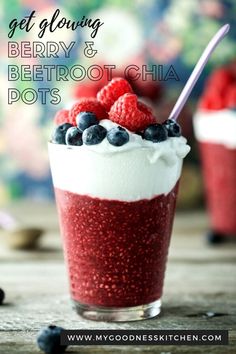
197	71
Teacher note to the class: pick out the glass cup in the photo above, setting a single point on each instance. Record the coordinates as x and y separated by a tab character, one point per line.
219	174
115	250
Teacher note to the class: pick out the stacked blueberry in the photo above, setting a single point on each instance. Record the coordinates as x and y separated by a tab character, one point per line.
89	132
160	132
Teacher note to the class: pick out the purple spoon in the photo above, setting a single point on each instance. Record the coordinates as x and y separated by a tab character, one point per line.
197	71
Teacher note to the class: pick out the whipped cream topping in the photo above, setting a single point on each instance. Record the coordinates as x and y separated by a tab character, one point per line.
156	150
217	127
139	169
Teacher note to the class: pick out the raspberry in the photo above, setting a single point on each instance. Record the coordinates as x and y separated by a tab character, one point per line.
87	105
220	90
144	108
231	97
111	92
220	79
205	103
130	113
212	101
61	117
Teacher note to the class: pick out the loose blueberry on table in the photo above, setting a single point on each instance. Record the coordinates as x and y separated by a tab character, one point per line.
49	339
2	296
215	238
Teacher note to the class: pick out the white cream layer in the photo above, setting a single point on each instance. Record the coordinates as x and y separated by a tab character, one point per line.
137	170
217	127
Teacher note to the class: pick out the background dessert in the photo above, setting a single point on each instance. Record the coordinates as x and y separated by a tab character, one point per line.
215	130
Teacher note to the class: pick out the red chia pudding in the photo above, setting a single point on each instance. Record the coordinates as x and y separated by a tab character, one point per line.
116	251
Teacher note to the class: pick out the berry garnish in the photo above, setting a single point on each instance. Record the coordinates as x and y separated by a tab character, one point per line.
87	105
231	97
94	135
74	136
59	134
145	109
220	90
61	117
212	101
117	136
2	296
156	133
130	113
49	340
85	120
111	92
173	128
206	102
221	78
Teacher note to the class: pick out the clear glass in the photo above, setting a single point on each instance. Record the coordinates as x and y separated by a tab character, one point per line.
116	314
115	251
219	173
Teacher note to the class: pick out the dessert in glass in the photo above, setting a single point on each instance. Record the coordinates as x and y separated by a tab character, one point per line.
215	130
115	172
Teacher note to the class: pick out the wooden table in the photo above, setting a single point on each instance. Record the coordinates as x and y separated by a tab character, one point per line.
199	279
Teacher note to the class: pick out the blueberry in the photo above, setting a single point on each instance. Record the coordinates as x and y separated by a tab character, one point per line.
214	238
84	120
59	134
117	136
2	296
156	133
94	134
74	136
48	340
173	128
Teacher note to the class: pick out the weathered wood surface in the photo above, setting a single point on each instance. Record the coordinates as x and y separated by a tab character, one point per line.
199	279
